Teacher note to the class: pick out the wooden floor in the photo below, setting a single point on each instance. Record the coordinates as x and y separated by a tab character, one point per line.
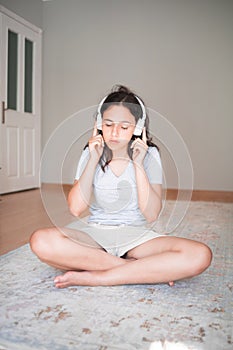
23	212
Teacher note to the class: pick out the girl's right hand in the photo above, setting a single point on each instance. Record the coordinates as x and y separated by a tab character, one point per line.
96	145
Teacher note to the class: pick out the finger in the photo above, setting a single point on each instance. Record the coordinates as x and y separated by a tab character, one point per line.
101	141
138	143
134	142
95	131
97	141
144	138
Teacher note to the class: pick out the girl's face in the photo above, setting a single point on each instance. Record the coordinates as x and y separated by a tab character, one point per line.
118	126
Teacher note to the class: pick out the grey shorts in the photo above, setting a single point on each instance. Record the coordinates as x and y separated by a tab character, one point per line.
116	240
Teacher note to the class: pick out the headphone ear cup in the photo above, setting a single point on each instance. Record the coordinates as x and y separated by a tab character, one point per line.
99	121
138	128
141	122
99	116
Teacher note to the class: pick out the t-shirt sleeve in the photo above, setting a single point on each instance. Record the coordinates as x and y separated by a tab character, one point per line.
82	163
153	166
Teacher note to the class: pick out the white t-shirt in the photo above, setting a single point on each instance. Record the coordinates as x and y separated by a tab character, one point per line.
116	200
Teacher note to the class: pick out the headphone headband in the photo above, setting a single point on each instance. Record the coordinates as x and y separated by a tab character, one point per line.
99	117
140	123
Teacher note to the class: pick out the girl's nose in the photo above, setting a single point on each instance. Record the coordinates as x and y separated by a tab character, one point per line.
115	129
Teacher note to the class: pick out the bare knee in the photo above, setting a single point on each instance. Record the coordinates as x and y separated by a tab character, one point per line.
202	257
39	243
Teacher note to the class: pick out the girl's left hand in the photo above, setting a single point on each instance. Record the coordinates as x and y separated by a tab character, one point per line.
140	148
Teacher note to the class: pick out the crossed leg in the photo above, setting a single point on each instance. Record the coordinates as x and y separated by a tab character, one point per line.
57	248
159	260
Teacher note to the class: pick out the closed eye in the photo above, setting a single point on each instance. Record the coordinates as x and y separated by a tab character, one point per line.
123	125
108	122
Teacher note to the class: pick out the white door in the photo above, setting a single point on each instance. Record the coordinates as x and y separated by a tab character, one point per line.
20	93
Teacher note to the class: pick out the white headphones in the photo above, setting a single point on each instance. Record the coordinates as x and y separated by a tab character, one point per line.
140	123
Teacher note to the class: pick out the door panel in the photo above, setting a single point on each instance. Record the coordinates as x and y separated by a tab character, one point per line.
20	74
12	134
29	151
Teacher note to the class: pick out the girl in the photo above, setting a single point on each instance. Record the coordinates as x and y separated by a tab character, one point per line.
121	167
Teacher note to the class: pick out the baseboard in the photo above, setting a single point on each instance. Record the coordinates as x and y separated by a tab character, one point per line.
203	195
172	193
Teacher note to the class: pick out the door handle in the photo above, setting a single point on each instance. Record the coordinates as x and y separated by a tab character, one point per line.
3	112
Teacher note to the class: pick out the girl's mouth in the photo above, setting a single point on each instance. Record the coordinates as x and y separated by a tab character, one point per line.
114	141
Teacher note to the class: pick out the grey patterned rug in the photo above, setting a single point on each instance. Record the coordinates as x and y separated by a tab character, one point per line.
194	314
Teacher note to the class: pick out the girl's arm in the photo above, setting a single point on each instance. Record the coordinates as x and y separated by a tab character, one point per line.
79	197
149	195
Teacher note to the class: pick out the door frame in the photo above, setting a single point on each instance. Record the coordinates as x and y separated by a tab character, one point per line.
19	19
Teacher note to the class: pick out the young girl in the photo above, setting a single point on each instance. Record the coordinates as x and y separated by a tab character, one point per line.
121	168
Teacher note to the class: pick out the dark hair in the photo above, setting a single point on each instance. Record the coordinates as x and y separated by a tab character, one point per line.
121	94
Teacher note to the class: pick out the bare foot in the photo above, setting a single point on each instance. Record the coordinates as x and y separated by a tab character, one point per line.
74	278
83	278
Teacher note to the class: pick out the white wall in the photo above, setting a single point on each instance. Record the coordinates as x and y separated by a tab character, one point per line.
176	54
